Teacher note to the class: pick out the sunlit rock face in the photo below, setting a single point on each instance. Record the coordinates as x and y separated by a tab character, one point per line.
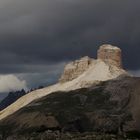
110	54
73	69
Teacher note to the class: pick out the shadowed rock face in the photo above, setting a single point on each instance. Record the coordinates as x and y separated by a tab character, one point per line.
111	55
112	106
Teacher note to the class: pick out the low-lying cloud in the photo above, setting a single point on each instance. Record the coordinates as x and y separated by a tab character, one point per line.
11	83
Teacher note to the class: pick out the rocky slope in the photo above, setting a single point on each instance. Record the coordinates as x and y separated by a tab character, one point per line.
109	107
100	71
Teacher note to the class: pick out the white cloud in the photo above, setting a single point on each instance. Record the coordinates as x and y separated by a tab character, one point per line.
11	83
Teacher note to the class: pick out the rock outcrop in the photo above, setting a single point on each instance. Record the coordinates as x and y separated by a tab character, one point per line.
75	68
111	55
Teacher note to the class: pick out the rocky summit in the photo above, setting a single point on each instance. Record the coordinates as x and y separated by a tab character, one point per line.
110	55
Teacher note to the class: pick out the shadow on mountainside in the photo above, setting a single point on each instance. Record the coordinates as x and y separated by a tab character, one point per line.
112	107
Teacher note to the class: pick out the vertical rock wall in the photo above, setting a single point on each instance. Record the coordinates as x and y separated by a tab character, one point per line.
111	55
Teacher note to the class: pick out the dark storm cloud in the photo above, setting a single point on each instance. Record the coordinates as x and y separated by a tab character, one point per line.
42	32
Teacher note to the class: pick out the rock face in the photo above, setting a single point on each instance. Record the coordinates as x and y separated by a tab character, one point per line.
111	55
76	68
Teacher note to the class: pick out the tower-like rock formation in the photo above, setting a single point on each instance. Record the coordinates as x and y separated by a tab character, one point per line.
110	54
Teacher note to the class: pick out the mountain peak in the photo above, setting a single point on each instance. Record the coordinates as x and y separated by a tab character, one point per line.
108	65
110	54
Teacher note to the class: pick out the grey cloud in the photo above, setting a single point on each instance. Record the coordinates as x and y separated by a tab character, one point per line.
32	68
35	34
44	76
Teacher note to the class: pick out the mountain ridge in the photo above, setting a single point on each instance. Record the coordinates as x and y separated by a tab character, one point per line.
93	73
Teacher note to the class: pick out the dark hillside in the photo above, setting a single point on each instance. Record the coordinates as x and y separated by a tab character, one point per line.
113	107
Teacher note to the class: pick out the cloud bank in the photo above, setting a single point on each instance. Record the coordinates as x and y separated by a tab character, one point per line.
11	83
46	31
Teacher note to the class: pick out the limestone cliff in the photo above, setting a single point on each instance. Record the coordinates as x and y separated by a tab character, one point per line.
107	55
110	54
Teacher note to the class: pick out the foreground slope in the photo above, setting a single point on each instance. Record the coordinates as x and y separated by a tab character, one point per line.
112	106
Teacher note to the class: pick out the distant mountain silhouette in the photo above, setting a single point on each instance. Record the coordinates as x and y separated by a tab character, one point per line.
13	96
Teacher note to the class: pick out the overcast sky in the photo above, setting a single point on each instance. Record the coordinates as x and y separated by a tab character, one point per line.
37	37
